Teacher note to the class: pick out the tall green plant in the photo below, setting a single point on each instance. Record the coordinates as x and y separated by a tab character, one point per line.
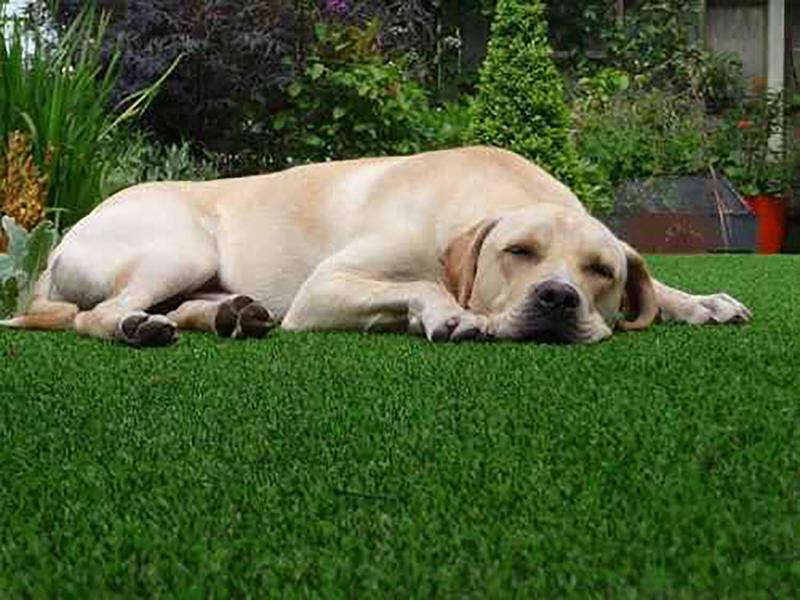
520	103
59	92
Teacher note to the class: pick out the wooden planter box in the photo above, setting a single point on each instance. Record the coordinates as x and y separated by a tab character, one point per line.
682	215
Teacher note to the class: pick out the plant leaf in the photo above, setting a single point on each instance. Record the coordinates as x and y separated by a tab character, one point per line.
295	89
8	297
279	122
17	240
316	70
40	242
6	267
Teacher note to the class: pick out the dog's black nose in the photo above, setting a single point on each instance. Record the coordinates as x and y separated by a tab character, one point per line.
556	296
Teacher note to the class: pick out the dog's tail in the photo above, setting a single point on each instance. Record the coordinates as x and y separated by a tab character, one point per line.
45	315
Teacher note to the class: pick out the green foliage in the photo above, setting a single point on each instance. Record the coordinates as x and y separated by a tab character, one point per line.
239	57
350	100
740	148
21	266
631	133
58	93
601	88
717	77
520	104
656	44
444	125
652	38
134	156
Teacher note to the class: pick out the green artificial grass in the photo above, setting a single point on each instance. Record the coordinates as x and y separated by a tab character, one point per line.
661	463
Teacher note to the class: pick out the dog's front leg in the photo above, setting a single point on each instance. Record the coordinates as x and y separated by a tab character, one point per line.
338	299
676	305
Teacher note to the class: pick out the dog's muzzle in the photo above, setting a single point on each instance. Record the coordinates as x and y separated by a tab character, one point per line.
556	299
549	314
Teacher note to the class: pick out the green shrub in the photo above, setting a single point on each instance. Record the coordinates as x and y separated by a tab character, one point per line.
520	104
719	80
444	125
238	58
350	100
632	134
741	149
134	156
58	94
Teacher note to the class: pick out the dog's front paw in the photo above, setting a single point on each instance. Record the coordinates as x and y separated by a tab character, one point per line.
713	309
457	328
724	309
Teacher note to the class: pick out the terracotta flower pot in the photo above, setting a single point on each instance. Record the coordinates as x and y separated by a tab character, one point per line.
770	215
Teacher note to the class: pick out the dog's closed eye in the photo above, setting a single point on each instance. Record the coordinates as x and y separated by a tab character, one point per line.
521	251
601	270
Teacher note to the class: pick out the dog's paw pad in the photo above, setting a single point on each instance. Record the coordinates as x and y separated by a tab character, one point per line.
440	332
143	330
130	324
470	328
466	326
242	317
254	321
228	315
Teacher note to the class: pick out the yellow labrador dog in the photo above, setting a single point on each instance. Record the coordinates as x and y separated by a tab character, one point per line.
471	243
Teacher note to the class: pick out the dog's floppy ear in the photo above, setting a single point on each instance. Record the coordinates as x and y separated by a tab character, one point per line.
640	294
461	260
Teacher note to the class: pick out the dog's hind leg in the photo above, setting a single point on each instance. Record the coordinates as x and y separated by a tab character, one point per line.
149	280
228	315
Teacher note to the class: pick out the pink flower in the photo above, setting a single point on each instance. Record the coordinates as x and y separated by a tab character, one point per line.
337	7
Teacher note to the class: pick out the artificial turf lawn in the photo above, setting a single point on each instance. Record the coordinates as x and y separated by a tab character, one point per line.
662	462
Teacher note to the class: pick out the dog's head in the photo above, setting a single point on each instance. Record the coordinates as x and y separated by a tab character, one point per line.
549	274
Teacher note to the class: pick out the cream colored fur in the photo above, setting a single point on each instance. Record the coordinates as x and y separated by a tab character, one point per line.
375	244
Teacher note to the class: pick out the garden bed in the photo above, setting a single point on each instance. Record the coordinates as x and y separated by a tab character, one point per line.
662	462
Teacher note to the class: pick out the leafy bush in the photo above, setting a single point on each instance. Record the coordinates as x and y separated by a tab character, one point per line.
134	156
445	124
350	100
740	147
718	79
239	59
406	27
631	133
658	45
231	70
651	40
58	94
520	103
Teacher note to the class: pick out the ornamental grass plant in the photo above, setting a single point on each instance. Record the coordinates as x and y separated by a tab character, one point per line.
55	89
